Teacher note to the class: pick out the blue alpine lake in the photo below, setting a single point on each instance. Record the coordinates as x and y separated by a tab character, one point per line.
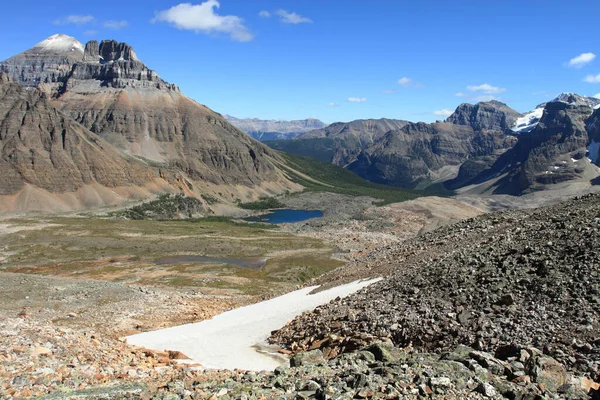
285	216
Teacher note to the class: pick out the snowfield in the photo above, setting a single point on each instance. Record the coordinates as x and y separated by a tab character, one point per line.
529	121
237	338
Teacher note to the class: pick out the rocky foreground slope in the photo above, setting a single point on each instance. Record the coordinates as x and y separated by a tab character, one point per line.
521	289
505	305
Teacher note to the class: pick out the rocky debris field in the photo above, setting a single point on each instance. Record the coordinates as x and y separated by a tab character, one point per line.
518	279
504	305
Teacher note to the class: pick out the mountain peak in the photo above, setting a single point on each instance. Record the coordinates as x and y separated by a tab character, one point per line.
491	115
575	99
59	43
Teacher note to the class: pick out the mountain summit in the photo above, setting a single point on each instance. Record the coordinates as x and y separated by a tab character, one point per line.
108	90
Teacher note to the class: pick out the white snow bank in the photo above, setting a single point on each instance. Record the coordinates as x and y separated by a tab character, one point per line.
529	121
236	339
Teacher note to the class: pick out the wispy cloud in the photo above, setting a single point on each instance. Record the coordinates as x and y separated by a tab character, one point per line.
202	18
332	104
116	25
264	14
357	99
292	18
461	94
388	91
486	88
407	82
592	78
74	19
581	60
446	112
90	33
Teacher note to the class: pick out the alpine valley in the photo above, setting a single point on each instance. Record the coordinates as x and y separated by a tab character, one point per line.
138	260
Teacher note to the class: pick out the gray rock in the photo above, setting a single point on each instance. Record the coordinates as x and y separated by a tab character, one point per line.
307	358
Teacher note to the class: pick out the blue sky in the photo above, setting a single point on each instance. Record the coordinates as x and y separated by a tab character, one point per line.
339	60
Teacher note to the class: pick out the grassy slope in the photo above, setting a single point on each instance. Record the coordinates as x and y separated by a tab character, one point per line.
339	180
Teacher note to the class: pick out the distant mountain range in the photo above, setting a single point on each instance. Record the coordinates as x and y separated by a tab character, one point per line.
488	147
275	130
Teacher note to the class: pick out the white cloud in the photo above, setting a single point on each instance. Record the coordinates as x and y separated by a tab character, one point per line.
116	25
405	81
592	78
446	112
292	18
461	94
388	91
332	104
581	60
74	19
202	18
264	14
486	88
357	99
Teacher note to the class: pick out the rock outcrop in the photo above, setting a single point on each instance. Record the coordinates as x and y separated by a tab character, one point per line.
492	115
558	149
275	130
48	62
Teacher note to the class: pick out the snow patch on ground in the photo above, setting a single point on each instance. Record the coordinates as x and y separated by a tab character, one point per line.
237	338
529	121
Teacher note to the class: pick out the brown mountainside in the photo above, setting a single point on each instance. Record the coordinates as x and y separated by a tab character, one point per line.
124	124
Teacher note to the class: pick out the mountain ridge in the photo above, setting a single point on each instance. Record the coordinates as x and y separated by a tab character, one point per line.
274	129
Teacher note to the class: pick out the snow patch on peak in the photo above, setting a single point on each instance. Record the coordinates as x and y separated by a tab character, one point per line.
60	42
528	121
576	100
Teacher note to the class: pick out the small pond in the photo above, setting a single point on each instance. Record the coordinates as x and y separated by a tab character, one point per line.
249	263
285	216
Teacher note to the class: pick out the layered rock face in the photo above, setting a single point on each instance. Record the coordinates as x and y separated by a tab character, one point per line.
418	153
559	149
108	90
43	147
48	62
275	130
492	115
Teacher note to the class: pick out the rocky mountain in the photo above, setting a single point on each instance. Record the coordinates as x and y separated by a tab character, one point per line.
273	129
492	115
44	150
560	147
420	154
109	91
340	142
48	62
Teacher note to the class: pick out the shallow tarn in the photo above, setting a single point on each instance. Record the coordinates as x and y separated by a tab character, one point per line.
237	339
286	216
